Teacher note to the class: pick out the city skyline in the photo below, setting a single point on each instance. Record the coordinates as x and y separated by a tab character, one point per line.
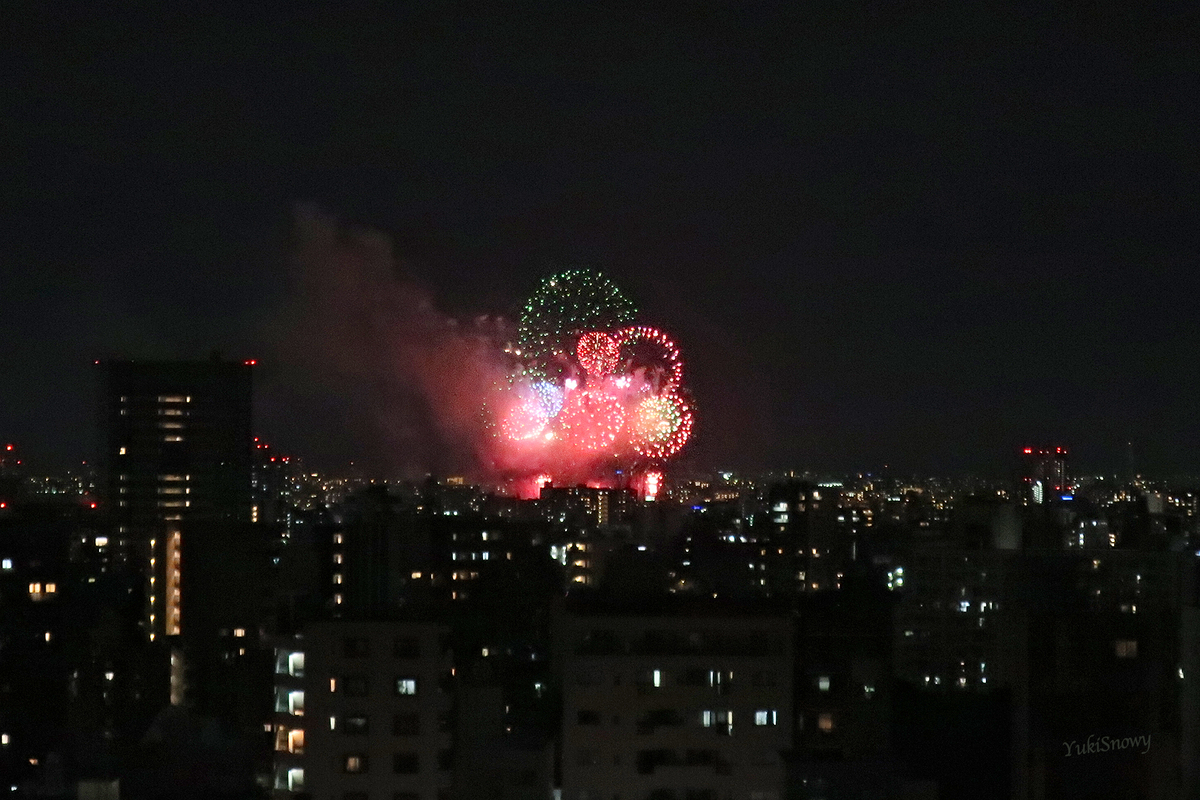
880	238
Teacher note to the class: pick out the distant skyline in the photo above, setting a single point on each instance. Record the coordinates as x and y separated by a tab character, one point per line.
880	237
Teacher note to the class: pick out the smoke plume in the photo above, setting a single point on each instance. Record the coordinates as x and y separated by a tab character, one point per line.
362	347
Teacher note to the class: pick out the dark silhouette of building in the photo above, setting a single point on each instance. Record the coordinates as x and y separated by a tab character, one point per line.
177	447
686	699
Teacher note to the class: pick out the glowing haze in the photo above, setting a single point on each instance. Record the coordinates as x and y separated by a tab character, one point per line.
575	393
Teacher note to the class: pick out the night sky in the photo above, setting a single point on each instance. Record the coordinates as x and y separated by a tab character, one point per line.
882	235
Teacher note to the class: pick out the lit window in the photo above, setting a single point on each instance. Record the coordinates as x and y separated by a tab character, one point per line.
239	632
6	565
406	686
121	451
823	683
825	721
101	541
337	558
766	717
337	538
356	763
656	679
295	779
337	577
51	588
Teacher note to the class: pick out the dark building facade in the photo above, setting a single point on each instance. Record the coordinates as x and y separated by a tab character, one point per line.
177	447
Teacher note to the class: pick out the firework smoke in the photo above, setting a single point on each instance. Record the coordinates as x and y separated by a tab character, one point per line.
573	394
400	379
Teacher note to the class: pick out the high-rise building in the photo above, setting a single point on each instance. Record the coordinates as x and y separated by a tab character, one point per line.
177	448
802	550
1045	474
364	709
695	701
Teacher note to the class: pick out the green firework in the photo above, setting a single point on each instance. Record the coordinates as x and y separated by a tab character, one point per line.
566	305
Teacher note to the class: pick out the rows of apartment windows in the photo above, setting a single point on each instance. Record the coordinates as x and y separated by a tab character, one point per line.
660	717
752	643
405	762
671	794
291	740
291	701
402	647
360	685
442	794
722	681
403	724
646	761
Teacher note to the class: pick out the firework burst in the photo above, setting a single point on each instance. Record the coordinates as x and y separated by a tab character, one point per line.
591	393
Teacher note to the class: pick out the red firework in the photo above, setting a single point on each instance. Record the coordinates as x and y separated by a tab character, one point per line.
592	420
525	421
597	353
670	352
661	425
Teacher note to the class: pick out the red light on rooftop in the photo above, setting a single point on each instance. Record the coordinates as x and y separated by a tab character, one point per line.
3	505
250	362
1028	450
93	505
8	447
